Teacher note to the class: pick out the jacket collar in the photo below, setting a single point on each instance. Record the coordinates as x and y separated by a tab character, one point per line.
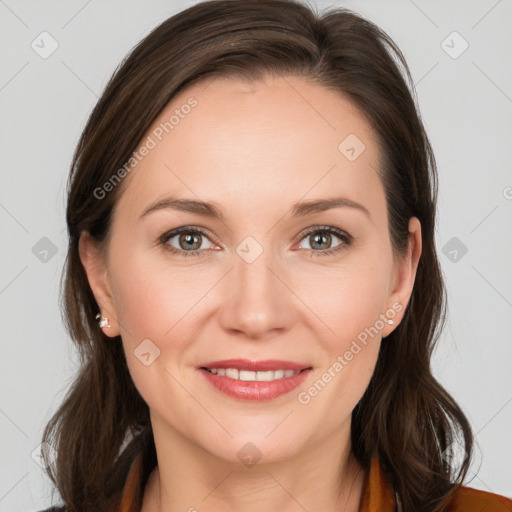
377	496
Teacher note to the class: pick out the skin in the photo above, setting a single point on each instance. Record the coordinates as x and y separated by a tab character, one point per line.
255	149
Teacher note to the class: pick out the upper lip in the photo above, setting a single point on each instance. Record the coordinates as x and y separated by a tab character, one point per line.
248	364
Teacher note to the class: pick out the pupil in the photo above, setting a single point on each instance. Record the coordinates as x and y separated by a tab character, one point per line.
316	237
189	240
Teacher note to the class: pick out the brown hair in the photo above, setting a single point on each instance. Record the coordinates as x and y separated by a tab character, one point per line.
405	417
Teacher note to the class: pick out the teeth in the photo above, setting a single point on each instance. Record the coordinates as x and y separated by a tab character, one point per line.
232	373
248	375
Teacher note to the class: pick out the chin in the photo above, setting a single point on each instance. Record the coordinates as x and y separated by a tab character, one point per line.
255	450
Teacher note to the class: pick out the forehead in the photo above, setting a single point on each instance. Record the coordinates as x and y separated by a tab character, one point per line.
247	144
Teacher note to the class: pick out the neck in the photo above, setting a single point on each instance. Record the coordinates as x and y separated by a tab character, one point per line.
187	478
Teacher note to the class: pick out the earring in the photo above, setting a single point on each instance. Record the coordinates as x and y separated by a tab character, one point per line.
390	322
103	321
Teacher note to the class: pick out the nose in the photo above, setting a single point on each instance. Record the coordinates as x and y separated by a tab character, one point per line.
257	302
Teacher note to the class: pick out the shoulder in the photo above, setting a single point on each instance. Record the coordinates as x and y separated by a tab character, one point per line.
54	509
467	499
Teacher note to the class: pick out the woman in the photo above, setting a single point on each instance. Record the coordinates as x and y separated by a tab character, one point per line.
285	365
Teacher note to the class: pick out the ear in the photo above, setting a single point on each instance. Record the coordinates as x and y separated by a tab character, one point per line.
95	267
404	275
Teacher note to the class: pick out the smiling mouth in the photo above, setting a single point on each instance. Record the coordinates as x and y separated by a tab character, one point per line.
255	380
253	376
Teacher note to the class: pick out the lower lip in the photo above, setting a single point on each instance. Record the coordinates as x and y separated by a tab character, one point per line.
256	390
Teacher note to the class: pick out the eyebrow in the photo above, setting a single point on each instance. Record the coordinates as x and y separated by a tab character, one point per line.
213	210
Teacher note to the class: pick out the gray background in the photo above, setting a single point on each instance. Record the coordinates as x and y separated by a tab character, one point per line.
466	103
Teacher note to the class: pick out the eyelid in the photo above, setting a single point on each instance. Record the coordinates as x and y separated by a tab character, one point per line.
189	228
330	229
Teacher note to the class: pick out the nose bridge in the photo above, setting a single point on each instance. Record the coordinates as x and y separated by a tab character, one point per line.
251	270
257	297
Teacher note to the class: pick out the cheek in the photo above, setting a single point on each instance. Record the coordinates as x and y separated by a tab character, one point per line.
158	307
350	354
152	304
346	299
153	297
351	306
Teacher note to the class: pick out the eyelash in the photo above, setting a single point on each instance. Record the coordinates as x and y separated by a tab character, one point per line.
345	237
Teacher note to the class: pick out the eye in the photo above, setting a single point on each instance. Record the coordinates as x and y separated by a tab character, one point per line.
323	235
186	238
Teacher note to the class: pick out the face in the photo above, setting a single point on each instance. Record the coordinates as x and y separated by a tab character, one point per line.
303	289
